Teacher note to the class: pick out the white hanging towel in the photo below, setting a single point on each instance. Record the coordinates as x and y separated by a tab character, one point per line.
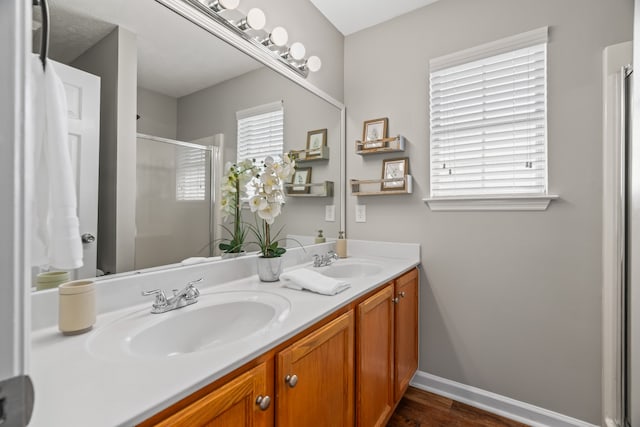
55	230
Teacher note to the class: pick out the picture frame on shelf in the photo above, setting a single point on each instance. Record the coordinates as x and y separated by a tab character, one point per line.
394	168
316	139
373	131
301	177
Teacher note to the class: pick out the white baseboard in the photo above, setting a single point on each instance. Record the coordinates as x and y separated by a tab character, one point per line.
495	403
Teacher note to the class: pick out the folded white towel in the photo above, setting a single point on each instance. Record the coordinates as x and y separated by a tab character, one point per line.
303	278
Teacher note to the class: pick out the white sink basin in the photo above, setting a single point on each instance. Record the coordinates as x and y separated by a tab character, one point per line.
215	321
348	269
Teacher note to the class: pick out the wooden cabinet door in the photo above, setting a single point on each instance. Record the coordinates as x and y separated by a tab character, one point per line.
233	404
315	376
406	330
374	363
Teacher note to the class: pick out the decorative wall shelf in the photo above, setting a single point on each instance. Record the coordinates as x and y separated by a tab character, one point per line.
384	145
374	187
304	156
319	189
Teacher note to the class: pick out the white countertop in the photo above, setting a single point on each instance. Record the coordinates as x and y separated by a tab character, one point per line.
76	387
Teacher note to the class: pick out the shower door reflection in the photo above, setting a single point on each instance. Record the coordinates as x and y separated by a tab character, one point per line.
174	203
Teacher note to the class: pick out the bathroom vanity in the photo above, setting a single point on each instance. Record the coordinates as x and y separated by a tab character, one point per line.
310	360
309	379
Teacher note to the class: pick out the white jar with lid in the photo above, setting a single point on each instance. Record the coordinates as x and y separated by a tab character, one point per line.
77	307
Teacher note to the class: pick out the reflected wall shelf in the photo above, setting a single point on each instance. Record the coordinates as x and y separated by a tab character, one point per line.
385	145
304	156
373	187
319	189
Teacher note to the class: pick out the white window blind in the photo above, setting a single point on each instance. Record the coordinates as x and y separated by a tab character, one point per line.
261	132
488	125
190	174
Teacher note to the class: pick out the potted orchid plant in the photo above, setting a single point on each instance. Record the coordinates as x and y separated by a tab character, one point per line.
266	203
233	194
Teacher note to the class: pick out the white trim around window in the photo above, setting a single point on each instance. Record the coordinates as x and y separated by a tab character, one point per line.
494	203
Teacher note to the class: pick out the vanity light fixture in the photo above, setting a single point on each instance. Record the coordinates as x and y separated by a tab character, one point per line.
220	5
313	64
278	37
251	29
255	20
295	52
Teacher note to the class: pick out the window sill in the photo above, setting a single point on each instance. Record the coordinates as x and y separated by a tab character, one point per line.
490	203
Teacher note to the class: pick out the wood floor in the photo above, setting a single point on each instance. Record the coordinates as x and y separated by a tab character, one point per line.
423	409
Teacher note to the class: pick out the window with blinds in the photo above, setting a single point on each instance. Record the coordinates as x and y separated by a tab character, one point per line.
261	132
488	124
191	174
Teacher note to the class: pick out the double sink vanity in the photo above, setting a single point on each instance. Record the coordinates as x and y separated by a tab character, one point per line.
247	353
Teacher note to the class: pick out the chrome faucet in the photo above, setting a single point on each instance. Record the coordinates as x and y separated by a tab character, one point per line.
189	295
324	260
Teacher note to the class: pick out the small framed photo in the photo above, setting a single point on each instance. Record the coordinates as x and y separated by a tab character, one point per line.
394	168
301	177
316	139
373	131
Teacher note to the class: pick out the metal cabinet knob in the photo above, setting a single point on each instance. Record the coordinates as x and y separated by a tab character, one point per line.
291	380
88	238
263	402
402	294
395	300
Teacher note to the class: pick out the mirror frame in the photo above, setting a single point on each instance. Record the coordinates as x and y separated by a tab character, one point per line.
189	12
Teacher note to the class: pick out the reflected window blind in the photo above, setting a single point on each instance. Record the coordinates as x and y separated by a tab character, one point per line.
261	132
190	174
488	125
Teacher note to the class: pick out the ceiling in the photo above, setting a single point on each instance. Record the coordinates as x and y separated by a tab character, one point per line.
350	16
176	63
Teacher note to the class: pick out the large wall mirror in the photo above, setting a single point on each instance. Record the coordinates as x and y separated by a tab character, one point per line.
169	94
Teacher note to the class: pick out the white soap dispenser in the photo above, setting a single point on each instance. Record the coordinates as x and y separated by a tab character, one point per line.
320	238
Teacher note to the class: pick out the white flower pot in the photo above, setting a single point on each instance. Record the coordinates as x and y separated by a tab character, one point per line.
269	269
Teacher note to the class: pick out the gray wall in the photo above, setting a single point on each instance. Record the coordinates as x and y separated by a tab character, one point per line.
510	301
114	59
213	110
158	114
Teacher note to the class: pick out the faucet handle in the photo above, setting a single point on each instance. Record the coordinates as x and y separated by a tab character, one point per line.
193	282
161	299
191	292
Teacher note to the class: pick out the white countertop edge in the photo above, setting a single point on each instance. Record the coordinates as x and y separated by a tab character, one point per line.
133	405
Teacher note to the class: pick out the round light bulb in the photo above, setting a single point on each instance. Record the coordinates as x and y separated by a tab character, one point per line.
297	51
256	19
279	36
219	5
314	64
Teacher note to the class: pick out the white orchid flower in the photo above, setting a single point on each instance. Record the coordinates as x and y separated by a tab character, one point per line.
270	212
258	203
